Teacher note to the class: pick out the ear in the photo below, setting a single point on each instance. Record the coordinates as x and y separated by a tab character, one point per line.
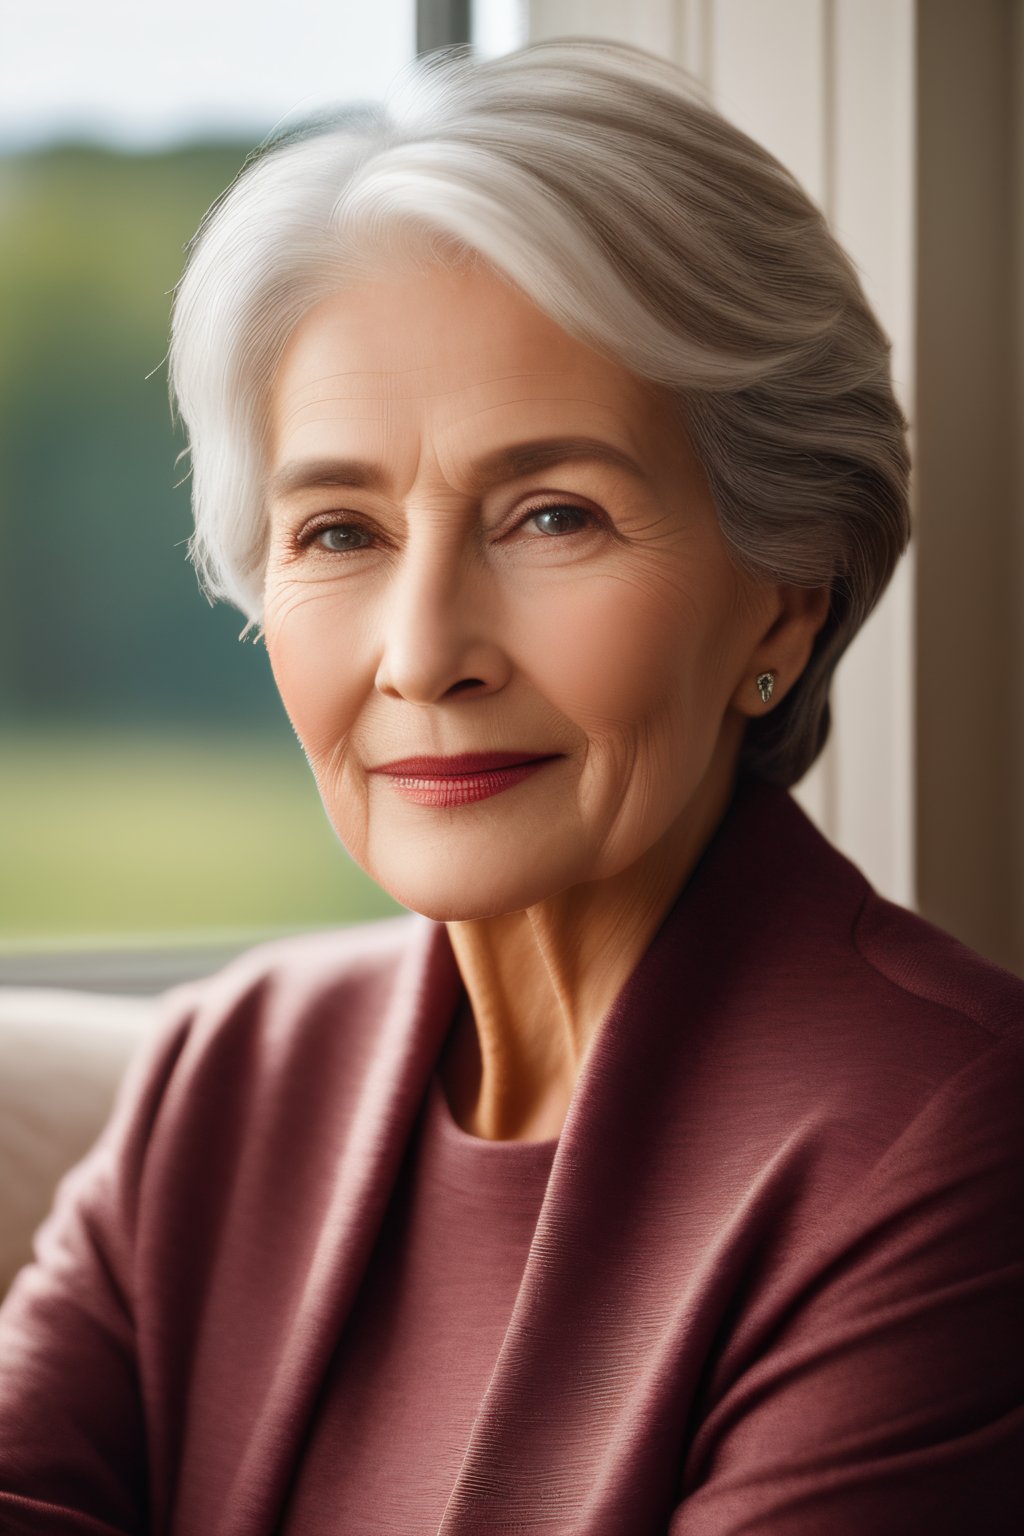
796	616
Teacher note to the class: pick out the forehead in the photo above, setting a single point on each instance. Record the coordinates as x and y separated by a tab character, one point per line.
448	343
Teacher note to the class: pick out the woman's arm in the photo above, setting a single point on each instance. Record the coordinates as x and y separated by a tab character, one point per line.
890	1398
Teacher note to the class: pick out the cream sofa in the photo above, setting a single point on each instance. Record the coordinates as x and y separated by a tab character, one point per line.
62	1055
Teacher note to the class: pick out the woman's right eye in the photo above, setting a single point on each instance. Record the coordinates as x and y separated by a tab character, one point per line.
339	538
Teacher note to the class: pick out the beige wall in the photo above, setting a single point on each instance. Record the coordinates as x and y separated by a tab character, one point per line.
970	358
904	120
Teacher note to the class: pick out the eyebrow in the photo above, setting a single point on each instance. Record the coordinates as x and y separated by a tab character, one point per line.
510	463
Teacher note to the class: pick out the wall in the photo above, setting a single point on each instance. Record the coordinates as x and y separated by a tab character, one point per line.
970	355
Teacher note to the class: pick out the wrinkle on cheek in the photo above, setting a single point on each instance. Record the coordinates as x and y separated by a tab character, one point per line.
314	653
660	758
283	604
654	773
638	775
329	767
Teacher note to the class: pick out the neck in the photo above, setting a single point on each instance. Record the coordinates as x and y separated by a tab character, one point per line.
539	982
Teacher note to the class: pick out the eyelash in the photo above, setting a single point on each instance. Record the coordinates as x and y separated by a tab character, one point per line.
309	534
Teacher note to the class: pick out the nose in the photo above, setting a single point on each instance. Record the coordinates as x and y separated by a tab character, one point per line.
440	628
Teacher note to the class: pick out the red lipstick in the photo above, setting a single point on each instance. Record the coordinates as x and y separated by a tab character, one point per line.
465	762
470	776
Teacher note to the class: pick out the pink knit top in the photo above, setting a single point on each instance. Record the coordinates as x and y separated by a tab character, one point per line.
409	1374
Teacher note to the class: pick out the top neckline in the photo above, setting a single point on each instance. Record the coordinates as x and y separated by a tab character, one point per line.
441	1112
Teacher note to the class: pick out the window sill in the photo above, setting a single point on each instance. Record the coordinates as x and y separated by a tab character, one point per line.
127	967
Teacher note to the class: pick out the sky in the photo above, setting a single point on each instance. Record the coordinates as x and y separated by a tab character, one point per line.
144	73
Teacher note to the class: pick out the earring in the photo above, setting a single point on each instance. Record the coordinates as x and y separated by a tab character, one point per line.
765	684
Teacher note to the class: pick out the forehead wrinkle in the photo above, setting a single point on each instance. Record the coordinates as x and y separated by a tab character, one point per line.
472	413
449	440
300	399
285	430
388	376
310	421
492	384
563	429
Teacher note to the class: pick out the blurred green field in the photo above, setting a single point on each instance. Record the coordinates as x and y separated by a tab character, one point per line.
120	834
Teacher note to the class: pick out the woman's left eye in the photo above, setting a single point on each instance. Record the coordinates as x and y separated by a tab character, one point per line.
560	519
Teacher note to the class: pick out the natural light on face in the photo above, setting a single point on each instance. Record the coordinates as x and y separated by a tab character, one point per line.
586	611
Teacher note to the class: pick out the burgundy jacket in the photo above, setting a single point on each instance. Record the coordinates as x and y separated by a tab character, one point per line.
776	1286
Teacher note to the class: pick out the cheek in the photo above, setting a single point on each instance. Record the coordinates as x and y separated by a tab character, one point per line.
312	646
613	652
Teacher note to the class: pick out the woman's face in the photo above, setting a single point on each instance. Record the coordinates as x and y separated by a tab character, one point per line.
444	578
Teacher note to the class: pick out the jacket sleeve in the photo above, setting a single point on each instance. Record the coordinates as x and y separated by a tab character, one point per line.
890	1397
73	1455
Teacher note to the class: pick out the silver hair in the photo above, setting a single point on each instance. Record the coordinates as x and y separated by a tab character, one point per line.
597	179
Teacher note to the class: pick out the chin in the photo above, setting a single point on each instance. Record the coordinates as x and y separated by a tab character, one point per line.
459	896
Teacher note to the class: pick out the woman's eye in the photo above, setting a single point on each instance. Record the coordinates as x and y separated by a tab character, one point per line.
560	519
340	537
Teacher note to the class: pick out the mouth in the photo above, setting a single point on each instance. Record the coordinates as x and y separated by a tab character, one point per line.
445	782
462	765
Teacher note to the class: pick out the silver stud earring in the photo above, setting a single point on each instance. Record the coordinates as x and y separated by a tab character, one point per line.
765	684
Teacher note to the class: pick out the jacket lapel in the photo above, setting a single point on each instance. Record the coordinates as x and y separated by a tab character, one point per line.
273	1374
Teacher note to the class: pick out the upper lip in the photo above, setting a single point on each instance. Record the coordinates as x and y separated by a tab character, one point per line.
465	762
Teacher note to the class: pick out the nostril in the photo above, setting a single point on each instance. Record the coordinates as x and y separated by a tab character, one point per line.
466	682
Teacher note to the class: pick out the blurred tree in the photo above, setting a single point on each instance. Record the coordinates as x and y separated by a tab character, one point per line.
101	618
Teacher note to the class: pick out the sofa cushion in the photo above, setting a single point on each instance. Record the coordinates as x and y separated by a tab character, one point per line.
62	1055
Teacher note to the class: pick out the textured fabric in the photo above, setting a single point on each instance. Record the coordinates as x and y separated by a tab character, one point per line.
775	1282
422	1339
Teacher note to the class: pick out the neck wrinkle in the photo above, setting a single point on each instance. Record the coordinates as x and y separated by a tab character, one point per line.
540	982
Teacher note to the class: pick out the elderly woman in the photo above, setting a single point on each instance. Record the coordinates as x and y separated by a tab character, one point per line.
654	1174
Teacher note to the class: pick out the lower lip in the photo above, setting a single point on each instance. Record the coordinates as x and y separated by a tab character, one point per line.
464	788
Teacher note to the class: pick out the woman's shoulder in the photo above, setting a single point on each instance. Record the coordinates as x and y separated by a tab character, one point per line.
302	966
925	963
285	1038
269	1008
868	951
